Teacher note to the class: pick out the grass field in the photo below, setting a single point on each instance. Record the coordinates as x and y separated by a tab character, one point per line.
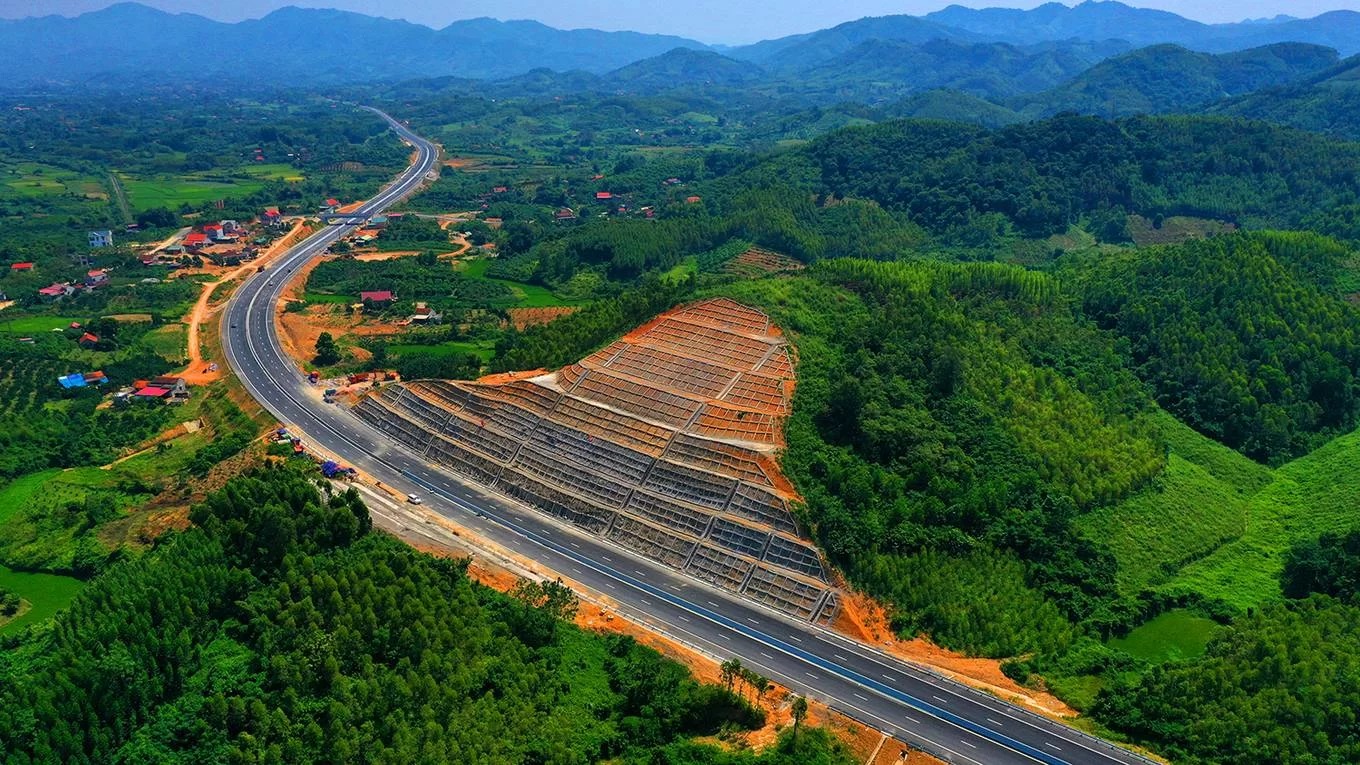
1171	636
1307	497
46	593
274	171
322	297
20	492
169	342
526	295
28	325
171	192
484	351
1199	504
32	179
681	271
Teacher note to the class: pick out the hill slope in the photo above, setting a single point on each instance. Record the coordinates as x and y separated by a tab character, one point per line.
1328	102
1169	78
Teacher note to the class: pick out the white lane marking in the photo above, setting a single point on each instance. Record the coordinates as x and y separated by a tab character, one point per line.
711	603
861	696
610	586
753	621
913	719
684	618
995	722
1051	745
766	655
809	674
965	743
606	558
724	636
573	544
838	656
937	698
795	638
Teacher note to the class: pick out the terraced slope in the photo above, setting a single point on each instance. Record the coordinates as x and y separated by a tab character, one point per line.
663	442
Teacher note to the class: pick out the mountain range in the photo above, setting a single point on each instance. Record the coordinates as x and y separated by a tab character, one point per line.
991	66
1047	45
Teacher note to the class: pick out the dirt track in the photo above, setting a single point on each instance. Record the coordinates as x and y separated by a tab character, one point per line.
198	372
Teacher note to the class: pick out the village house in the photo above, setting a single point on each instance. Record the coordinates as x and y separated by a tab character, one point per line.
425	315
101	238
96	277
195	240
376	298
20	267
88	341
271	216
56	291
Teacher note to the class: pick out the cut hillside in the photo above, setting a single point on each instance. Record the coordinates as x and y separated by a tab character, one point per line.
664	442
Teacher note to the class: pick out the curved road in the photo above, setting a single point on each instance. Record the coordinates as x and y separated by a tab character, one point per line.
948	719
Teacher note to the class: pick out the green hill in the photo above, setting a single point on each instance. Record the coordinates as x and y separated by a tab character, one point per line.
1168	78
1235	337
1328	102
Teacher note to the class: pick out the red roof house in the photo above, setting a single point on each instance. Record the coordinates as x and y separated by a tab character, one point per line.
377	297
88	340
152	391
332	202
603	195
195	239
21	266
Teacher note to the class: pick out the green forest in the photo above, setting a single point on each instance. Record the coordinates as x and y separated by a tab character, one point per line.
279	629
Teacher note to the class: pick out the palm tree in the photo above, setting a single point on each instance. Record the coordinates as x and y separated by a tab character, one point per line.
800	707
729	670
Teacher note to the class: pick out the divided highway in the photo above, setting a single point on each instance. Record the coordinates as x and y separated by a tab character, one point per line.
946	718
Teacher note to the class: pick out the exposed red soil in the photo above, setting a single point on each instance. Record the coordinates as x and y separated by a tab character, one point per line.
522	318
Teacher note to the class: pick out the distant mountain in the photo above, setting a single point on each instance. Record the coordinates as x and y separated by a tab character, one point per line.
885	70
802	51
301	46
1108	19
1169	78
683	67
1327	102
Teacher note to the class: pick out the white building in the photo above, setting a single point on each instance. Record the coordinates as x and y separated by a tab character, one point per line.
101	238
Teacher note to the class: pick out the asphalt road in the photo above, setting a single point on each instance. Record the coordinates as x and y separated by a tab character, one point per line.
948	719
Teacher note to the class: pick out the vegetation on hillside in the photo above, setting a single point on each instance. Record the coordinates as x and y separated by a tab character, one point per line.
1236	337
279	629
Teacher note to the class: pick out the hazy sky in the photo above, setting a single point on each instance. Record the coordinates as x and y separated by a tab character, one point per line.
712	21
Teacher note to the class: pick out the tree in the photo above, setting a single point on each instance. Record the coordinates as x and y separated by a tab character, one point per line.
730	669
800	708
326	351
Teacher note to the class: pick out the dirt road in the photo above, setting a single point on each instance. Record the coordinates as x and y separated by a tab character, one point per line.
198	372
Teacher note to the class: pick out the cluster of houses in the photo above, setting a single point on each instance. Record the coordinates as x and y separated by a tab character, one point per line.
164	389
225	242
94	279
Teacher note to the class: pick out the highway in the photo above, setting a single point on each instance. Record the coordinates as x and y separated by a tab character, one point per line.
943	717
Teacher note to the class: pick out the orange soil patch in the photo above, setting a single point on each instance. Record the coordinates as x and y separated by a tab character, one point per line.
521	318
351	207
759	261
501	378
867	620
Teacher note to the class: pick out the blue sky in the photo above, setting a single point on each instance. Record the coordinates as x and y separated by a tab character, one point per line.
711	21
